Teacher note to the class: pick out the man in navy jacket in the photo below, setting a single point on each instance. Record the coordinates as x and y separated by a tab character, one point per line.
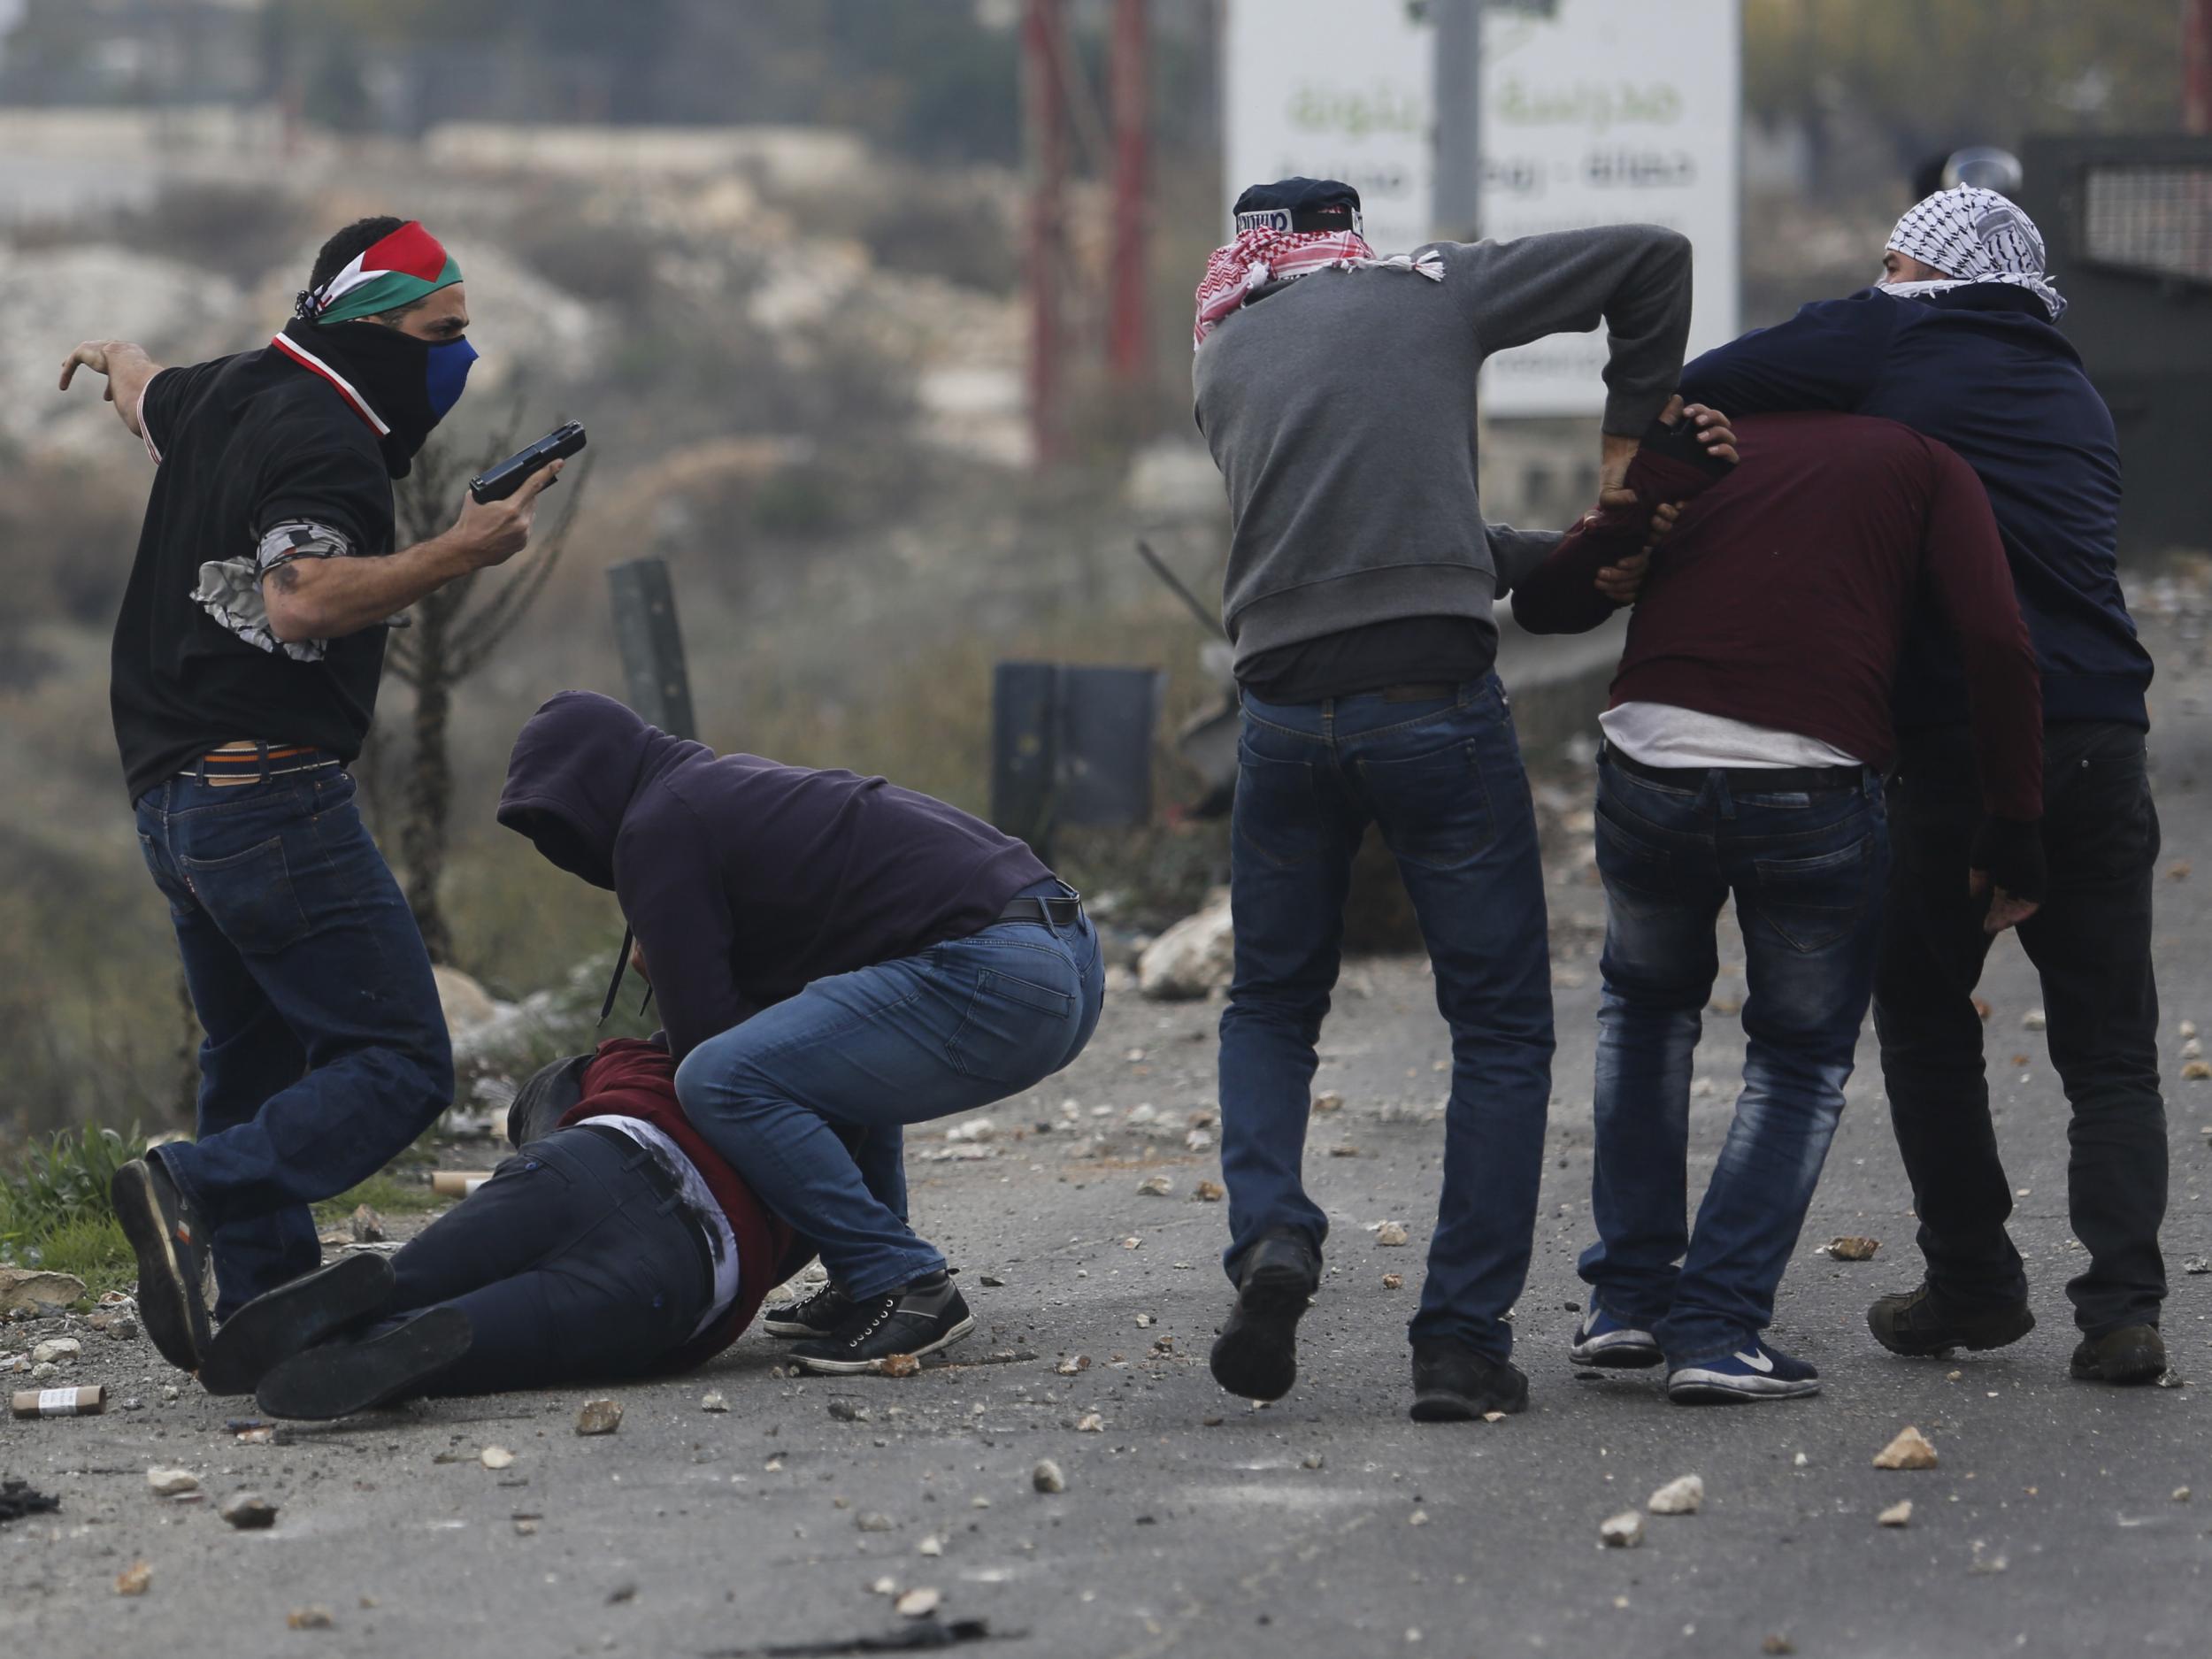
1959	340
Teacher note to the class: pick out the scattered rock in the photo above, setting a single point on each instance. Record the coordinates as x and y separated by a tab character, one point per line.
170	1482
1394	1282
991	1282
2177	871
1046	1477
933	1545
1209	1193
1419	1517
1852	1249
366	1226
1391	1232
885	1586
122	1327
496	1458
599	1416
1683	1495
919	1603
1074	1363
849	1412
1312	1460
975	1131
1624	1530
56	1350
1777	1645
1344	1149
526	1525
1156	1186
2196	1070
2191	1049
1191	959
897	1365
309	1619
1983	1010
1909	1451
2034	1019
1898	1514
264	1435
2187	1029
1494	1417
133	1580
712	1401
249	1512
35	1290
1198	1141
1330	1102
45	1370
1090	1422
875	1521
2181	1494
2197	1264
1987	1564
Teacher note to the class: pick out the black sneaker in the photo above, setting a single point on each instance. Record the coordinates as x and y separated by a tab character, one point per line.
819	1314
274	1326
2132	1354
1923	1323
917	1318
338	1379
1255	1356
1452	1383
172	1251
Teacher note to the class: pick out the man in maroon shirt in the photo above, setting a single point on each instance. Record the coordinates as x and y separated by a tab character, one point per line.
1748	727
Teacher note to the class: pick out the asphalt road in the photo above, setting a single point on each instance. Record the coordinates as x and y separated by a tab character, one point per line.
1327	1524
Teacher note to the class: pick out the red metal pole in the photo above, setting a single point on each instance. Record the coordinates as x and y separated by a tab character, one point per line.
2196	66
1046	109
1130	90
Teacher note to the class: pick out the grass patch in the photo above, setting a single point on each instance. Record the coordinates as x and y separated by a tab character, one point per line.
93	1249
384	1194
54	1212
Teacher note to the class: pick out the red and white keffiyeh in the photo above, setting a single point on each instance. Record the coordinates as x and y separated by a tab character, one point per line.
1257	257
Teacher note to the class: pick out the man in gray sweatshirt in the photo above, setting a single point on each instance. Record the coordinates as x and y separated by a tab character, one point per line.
1336	392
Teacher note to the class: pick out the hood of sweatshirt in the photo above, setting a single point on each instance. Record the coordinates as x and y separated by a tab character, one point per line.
577	767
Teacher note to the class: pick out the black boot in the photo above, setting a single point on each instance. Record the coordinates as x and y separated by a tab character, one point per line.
273	1327
1924	1321
915	1318
172	1250
2132	1354
1256	1356
1452	1383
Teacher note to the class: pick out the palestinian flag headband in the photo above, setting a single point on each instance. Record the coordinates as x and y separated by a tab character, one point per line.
403	267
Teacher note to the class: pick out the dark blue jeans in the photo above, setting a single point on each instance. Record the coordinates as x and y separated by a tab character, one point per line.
789	1096
573	1263
1442	779
1805	869
326	1051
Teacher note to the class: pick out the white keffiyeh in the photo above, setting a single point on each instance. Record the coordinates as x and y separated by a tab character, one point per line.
1973	235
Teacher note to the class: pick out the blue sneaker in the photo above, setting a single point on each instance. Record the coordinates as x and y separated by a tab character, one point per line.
1753	1371
1602	1339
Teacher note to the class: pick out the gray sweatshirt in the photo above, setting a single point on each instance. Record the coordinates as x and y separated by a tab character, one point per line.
1340	409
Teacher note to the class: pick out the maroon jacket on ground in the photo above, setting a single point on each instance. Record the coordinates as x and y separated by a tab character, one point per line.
1781	597
630	1079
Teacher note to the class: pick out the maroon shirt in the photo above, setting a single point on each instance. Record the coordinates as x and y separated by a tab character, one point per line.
1781	596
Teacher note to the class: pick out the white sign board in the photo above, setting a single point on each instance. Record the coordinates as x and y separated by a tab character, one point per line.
1611	111
1331	89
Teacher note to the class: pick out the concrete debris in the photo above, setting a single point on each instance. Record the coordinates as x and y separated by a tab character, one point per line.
1800	1461
1209	1193
712	1401
133	1580
366	1226
1391	1232
1909	1451
1074	1363
309	1619
56	1350
2197	1264
1312	1460
1419	1517
496	1458
1144	1321
2034	1019
849	1412
1494	1417
1850	1249
170	1482
1192	959
1331	1101
45	1370
2191	1049
2196	1070
1198	1141
1047	1476
919	1603
1394	1282
1898	1514
1090	1422
885	1586
264	1435
2188	1030
36	1290
1156	1186
599	1416
897	1365
1624	1530
2181	1494
875	1521
991	1282
1683	1495
1344	1149
974	1129
249	1512
933	1545
526	1525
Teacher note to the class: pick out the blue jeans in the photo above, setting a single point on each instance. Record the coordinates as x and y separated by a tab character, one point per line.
326	1051
1442	779
1805	869
789	1096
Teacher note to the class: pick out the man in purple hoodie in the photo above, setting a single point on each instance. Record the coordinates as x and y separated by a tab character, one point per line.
835	958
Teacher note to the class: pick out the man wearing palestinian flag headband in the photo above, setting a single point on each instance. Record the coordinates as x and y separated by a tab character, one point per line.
244	677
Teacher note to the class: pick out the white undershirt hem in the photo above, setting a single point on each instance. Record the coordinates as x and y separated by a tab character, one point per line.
1660	735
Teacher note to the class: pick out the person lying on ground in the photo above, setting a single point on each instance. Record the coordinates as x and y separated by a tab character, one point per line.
614	1244
1960	340
248	651
832	955
1748	728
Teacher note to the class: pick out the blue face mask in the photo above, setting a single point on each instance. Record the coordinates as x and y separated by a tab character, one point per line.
446	373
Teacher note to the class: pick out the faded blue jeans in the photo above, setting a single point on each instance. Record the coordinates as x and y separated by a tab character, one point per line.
1441	779
1806	868
806	1098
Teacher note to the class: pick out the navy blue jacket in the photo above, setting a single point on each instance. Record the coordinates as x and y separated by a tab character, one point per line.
745	881
1981	369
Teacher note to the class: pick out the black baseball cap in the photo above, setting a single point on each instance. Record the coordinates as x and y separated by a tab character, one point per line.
1324	205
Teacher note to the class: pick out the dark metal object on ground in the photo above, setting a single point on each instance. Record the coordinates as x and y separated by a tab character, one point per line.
17	1500
924	1635
1071	745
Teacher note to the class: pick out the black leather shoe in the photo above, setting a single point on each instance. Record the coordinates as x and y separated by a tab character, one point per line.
1255	1356
273	1327
1924	1321
172	1251
339	1379
819	1314
1452	1383
2132	1354
917	1318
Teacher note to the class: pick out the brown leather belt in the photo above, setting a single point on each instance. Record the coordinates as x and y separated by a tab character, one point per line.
248	762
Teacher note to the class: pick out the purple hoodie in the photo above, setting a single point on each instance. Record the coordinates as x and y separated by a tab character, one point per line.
745	881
